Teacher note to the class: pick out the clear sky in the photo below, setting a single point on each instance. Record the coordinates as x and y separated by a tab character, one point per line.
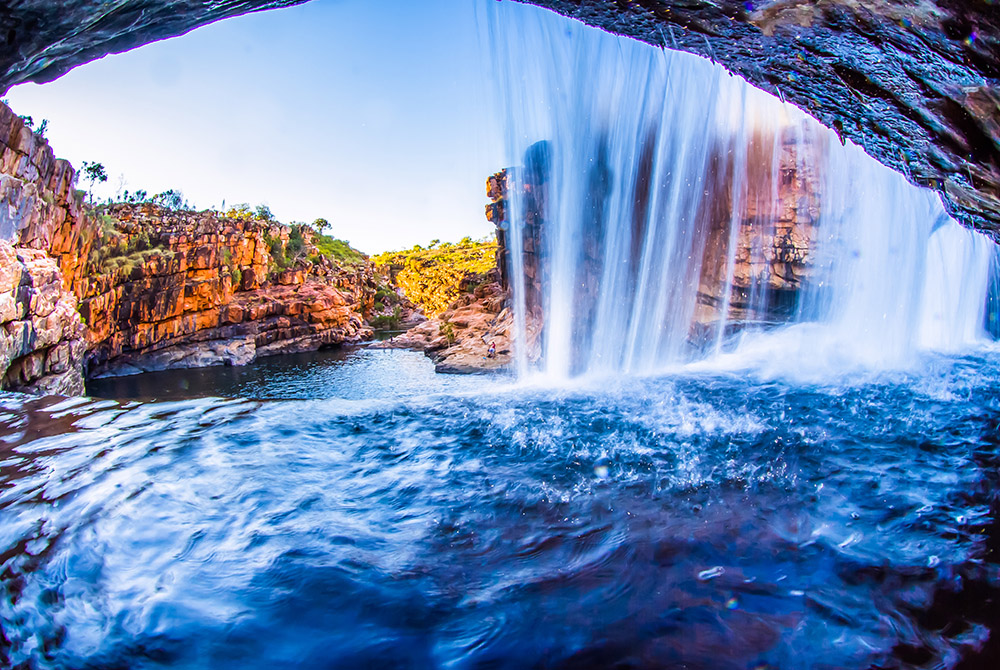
374	115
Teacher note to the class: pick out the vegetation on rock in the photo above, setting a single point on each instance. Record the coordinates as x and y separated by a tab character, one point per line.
432	277
337	250
115	251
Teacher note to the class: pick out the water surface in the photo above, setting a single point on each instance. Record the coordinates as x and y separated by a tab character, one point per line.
352	373
698	520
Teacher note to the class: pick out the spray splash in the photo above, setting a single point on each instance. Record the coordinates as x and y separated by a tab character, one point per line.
667	212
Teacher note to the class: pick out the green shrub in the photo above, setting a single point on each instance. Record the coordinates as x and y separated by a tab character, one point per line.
138	243
386	296
113	252
263	213
338	250
277	249
448	331
241	211
296	244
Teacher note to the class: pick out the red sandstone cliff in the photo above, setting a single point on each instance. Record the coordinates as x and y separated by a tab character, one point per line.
139	287
458	339
775	222
43	236
190	289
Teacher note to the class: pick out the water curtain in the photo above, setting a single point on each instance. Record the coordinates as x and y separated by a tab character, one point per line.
663	210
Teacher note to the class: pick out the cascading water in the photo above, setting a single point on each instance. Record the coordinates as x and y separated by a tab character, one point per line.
663	205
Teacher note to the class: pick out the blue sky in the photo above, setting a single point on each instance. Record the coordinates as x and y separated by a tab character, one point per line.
374	115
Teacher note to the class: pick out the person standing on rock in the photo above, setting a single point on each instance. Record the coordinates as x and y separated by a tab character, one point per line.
492	351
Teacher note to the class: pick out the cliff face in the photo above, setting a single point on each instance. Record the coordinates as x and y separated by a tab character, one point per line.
189	289
779	212
917	84
129	288
458	339
42	239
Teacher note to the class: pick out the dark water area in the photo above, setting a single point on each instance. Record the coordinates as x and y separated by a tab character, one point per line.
351	373
699	520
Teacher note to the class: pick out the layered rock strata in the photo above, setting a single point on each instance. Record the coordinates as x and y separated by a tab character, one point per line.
129	288
42	239
42	338
777	219
207	290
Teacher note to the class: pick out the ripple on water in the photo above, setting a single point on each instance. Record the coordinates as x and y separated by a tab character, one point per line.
699	521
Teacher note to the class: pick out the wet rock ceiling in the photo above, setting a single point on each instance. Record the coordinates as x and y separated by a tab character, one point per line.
915	82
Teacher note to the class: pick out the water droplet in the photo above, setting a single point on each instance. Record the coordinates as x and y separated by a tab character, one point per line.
711	573
602	467
933	562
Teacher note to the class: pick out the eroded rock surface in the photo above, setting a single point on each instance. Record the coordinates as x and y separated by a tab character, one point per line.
202	289
917	83
131	288
754	254
458	339
42	338
43	40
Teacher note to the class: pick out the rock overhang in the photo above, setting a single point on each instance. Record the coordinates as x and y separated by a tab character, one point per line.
914	82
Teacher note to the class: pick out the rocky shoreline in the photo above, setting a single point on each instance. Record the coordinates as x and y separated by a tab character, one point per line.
125	288
458	339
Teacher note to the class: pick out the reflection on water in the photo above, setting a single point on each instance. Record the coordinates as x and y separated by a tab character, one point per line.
348	373
703	520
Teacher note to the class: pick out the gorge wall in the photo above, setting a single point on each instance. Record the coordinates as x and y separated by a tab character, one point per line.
190	289
917	84
133	287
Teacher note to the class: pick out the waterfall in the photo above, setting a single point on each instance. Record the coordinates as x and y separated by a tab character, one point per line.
662	210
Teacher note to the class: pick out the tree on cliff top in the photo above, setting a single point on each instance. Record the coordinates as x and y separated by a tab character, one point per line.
263	213
94	172
172	199
245	212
